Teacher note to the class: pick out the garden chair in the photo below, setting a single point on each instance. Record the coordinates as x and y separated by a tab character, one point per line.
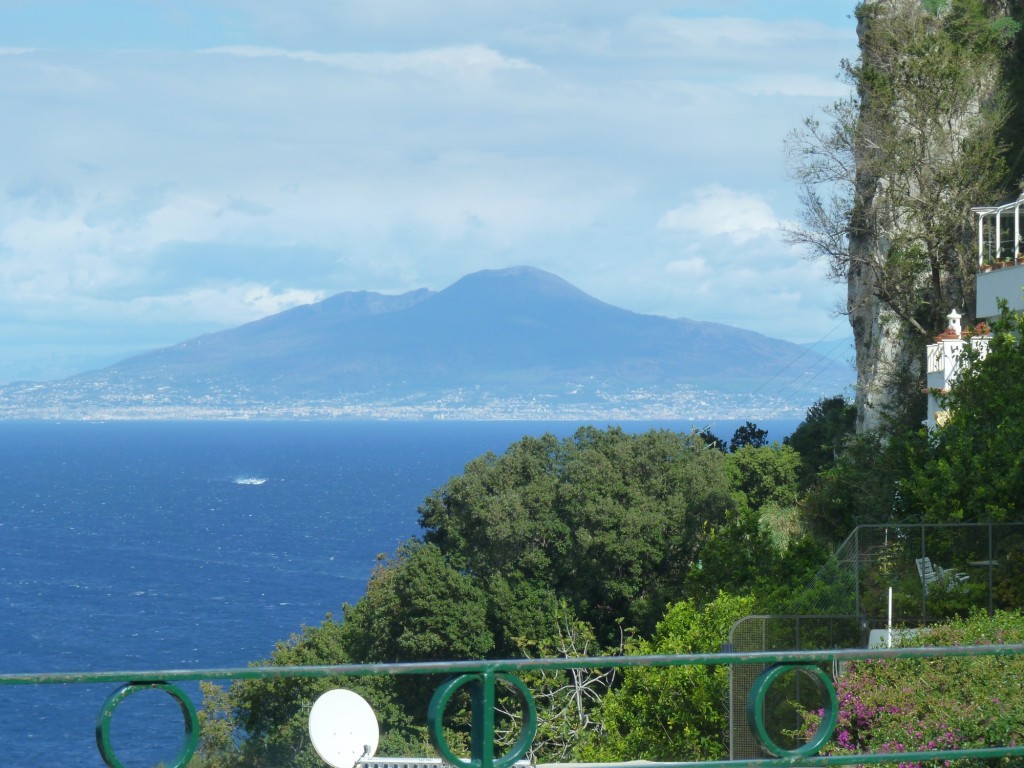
932	573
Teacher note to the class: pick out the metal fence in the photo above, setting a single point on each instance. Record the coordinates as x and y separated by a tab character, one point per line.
880	579
933	571
778	633
481	678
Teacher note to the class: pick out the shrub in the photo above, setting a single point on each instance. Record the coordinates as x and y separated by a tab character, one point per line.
904	705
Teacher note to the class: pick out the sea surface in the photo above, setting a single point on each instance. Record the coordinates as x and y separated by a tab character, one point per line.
133	546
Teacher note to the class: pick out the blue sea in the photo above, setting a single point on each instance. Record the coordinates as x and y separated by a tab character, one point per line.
195	545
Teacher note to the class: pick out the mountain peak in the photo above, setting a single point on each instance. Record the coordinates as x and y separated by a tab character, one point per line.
520	288
525	275
515	340
520	272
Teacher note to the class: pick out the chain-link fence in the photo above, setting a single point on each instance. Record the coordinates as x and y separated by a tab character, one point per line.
882	576
934	572
779	633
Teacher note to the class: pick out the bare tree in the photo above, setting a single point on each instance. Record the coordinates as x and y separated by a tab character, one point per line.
564	698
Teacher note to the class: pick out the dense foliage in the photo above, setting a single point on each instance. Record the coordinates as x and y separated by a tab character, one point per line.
607	543
556	547
674	713
823	436
973	468
970	470
608	521
864	484
902	705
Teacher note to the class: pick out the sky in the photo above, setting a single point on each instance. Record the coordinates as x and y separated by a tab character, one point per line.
176	167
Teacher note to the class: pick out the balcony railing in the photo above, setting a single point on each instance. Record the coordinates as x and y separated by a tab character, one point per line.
481	678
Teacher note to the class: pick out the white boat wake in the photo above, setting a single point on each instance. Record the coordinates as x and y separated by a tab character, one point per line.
250	480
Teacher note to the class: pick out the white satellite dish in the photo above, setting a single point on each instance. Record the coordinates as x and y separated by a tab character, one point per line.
343	728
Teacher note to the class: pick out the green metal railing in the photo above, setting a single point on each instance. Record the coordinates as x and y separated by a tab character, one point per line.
481	678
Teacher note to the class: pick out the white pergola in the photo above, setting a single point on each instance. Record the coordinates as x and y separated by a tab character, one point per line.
993	216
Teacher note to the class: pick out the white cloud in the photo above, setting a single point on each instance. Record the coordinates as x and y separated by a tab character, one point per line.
758	57
690	268
722	34
326	146
794	84
460	61
762	286
222	305
741	216
413	21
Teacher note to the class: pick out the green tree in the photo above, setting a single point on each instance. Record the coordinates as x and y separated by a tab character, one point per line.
972	469
219	739
608	521
499	522
822	436
672	713
750	551
866	484
258	723
639	510
749	434
556	546
712	440
765	474
763	554
417	607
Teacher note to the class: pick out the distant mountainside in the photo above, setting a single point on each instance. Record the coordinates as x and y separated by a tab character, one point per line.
516	342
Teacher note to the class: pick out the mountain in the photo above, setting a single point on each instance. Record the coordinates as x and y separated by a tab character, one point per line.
496	340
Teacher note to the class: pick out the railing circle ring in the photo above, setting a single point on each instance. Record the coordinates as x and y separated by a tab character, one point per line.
755	709
444	693
188	711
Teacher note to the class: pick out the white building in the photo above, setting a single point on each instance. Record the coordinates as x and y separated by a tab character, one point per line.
945	357
1000	276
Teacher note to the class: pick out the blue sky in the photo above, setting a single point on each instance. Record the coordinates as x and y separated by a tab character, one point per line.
173	168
